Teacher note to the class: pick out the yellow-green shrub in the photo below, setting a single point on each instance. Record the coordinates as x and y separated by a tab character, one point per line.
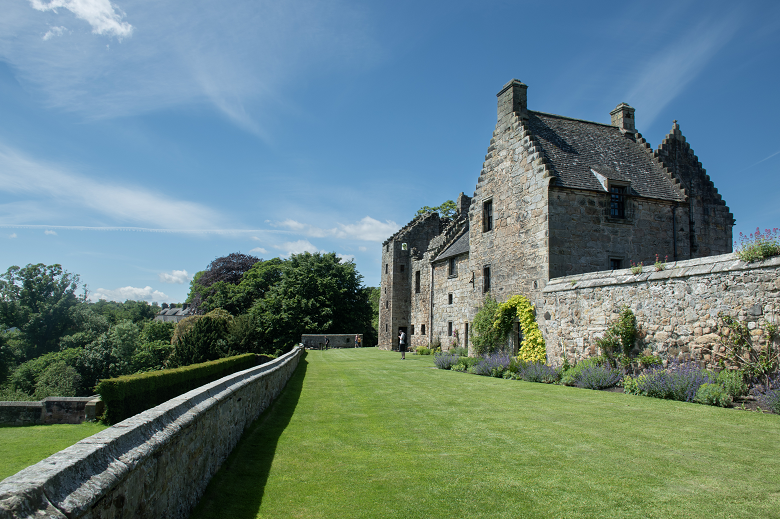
131	394
532	349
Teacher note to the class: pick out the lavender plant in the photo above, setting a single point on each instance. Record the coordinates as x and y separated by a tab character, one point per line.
597	377
493	365
445	360
680	381
538	372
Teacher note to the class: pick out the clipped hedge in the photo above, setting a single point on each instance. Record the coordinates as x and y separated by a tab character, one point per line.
129	395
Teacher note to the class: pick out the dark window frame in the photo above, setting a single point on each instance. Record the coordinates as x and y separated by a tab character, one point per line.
452	267
449	328
486	279
617	201
422	329
449	298
417	282
487	215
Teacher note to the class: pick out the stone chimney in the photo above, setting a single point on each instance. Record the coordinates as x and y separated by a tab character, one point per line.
464	202
513	98
623	118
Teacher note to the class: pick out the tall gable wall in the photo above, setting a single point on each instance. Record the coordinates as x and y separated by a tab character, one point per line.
709	219
515	179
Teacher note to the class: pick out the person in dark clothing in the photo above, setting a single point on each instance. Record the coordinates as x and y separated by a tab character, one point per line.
327	342
402	343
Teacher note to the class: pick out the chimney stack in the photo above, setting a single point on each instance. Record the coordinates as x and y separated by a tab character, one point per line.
513	99
623	118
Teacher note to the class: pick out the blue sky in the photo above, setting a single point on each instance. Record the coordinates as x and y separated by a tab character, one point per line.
139	139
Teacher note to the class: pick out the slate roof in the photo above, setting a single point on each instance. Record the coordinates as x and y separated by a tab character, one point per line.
460	246
574	147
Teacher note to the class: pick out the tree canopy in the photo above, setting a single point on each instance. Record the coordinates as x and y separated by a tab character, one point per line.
36	300
447	209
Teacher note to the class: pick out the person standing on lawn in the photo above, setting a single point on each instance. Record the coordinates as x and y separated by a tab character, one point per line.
402	343
327	341
357	341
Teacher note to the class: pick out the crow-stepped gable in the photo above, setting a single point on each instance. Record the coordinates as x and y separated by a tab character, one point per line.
556	196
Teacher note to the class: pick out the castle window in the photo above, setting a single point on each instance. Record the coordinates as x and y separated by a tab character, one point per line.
385	327
449	298
617	204
417	282
385	304
412	330
452	267
401	268
449	329
615	263
487	215
422	329
386	265
486	279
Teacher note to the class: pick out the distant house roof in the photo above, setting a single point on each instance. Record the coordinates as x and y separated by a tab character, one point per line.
174	314
575	149
460	246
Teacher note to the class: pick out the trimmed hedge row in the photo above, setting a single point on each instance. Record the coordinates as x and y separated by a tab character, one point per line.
129	395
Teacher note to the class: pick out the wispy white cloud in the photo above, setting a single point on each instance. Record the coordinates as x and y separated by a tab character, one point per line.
297	247
51	191
666	74
49	232
345	258
258	250
175	276
131	293
241	60
99	14
362	249
366	229
12	235
54	31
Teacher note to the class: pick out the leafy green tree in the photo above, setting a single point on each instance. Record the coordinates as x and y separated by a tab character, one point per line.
485	337
208	338
373	297
151	356
58	379
87	325
37	300
26	376
225	270
135	311
157	331
447	209
317	293
124	341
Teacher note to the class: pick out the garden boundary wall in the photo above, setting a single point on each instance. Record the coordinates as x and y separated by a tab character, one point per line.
154	464
676	308
51	410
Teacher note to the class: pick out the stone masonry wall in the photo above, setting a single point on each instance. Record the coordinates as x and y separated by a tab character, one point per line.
583	238
50	410
155	464
676	309
516	179
457	312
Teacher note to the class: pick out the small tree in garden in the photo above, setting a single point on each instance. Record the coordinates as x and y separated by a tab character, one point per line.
620	336
758	364
484	336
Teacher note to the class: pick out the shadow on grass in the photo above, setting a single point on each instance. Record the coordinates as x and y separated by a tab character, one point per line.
237	489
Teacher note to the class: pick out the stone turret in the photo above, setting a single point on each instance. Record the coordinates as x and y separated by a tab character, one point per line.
623	118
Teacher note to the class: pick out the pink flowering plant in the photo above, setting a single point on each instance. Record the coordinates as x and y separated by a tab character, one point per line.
758	246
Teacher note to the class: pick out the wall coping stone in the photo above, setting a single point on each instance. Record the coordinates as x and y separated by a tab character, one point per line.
71	481
678	269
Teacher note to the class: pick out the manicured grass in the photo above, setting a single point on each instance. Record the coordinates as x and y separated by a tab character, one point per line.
21	447
360	433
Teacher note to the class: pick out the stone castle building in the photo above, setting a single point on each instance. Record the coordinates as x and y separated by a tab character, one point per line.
556	196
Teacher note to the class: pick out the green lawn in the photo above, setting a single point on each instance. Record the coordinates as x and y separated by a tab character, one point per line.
360	433
21	447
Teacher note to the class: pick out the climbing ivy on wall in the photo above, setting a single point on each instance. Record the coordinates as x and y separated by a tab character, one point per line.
532	349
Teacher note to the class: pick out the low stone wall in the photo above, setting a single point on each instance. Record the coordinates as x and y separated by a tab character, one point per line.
316	341
676	308
154	464
51	410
